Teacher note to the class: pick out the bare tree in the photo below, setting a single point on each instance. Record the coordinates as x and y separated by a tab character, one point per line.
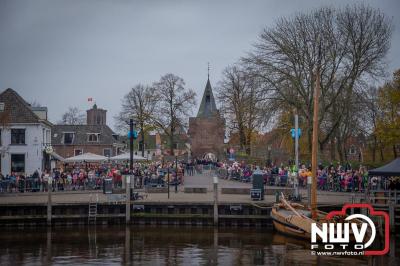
351	44
242	103
175	104
139	104
73	116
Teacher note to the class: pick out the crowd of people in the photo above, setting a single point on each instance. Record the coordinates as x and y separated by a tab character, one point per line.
161	173
331	177
92	176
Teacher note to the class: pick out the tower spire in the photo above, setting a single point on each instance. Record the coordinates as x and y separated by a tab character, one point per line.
208	70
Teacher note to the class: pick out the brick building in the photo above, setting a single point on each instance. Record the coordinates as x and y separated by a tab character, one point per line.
207	130
95	137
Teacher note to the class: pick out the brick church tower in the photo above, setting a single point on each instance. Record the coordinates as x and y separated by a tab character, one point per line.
207	129
96	116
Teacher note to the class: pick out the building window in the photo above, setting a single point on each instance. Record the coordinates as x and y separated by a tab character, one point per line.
141	146
107	152
17	136
18	163
68	137
93	137
175	146
352	150
48	138
78	152
208	98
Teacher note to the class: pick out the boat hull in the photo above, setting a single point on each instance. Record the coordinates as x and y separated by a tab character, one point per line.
283	227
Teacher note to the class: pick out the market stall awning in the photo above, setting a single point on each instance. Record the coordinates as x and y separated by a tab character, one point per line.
57	156
126	157
390	169
86	157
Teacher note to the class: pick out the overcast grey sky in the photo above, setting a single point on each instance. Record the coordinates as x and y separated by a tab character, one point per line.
59	53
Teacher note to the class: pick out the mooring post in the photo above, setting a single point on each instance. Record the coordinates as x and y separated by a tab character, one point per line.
392	218
49	203
128	199
215	200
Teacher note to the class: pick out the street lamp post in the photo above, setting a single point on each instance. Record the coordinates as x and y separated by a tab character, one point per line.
131	145
176	174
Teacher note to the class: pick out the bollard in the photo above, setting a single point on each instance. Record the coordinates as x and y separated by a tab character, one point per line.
49	203
215	201
128	199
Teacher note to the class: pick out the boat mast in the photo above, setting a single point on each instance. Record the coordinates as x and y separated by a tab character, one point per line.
315	147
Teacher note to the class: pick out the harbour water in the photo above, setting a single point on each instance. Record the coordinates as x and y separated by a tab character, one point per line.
120	245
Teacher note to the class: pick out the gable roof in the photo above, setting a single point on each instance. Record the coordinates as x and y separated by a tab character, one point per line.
17	109
207	108
81	131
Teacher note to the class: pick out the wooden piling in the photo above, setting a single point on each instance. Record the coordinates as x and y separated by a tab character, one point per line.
128	199
215	201
49	202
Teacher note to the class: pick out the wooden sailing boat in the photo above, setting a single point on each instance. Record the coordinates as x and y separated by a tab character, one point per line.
293	219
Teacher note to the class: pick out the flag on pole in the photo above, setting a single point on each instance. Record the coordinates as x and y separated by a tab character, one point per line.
90	99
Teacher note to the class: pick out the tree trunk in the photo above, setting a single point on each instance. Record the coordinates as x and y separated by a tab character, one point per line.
142	130
340	151
374	150
394	152
171	142
333	150
381	151
248	142
242	138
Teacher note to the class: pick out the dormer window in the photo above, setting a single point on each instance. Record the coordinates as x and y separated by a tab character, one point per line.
93	137
68	137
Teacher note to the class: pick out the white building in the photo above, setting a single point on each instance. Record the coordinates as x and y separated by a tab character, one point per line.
25	133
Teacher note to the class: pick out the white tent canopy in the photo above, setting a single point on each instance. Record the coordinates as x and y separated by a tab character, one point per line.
86	157
126	157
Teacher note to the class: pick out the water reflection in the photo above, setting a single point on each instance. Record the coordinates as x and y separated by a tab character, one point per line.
162	246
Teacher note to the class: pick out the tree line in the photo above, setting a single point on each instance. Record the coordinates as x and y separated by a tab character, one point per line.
276	78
